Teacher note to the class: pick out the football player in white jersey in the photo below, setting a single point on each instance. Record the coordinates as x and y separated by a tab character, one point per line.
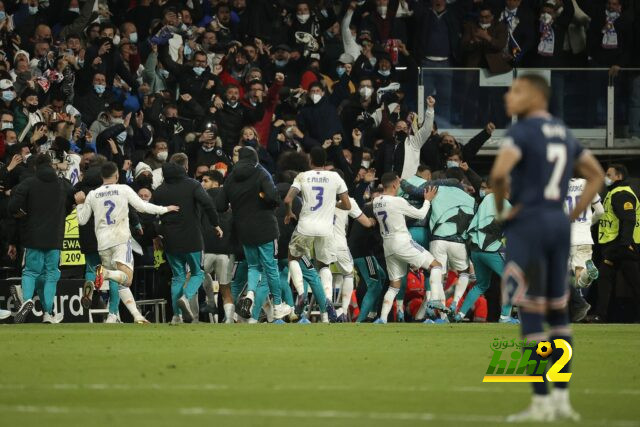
400	250
319	189
344	260
581	241
109	205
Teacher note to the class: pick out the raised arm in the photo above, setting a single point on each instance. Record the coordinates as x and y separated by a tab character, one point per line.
83	209
424	132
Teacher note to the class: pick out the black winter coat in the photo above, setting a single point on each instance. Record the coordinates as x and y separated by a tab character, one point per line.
181	231
212	244
47	200
253	214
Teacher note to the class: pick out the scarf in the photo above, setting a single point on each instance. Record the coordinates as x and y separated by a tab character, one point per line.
547	38
609	34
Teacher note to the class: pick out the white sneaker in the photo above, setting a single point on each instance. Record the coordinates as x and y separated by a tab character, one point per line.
184	305
176	320
541	410
562	406
111	318
252	321
325	318
4	314
56	318
281	310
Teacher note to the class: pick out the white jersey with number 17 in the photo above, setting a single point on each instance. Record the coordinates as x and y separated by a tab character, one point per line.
110	207
319	190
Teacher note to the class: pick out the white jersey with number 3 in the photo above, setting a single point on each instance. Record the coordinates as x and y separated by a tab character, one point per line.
390	211
319	189
110	207
581	227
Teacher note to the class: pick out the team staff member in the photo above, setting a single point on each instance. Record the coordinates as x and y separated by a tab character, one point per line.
619	235
42	202
181	232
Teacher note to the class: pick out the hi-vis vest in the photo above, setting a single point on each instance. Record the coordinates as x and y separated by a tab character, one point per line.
609	222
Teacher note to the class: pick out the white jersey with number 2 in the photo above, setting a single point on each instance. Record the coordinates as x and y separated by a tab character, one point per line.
110	207
319	189
581	227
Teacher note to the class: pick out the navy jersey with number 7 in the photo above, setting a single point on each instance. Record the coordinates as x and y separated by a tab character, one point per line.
548	153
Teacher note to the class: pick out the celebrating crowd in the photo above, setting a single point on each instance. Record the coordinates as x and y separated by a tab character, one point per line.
247	94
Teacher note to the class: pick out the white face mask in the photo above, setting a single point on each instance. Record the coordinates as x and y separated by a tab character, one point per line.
608	181
316	97
162	155
302	18
133	37
452	164
366	163
485	26
382	10
116	40
366	92
207	149
546	18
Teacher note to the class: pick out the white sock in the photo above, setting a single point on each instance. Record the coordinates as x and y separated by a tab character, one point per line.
296	276
347	291
339	311
422	311
338	281
327	282
584	280
324	317
116	275
387	302
268	310
399	306
251	295
207	285
435	280
461	286
194	305
127	299
229	310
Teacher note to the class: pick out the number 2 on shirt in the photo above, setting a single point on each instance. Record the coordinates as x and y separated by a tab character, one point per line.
383	220
110	207
319	195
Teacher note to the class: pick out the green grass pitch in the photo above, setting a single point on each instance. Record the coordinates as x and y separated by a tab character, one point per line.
300	375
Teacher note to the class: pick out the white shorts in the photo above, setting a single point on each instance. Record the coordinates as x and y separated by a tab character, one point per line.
218	263
451	255
399	255
579	255
301	245
121	254
344	261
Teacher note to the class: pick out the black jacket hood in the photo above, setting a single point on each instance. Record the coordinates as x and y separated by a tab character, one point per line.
244	169
173	172
46	174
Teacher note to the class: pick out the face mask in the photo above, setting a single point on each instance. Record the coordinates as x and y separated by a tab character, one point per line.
99	89
6	125
612	15
116	40
382	10
207	149
118	121
198	70
281	62
162	155
546	18
384	73
607	181
366	163
133	37
373	60
187	50
122	136
302	18
400	136
33	10
482	193
74	10
340	71
164	73
315	98
452	164
80	63
485	26
3	15
8	95
32	108
251	143
366	92
232	104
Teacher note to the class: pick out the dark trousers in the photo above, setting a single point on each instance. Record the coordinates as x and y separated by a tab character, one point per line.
625	260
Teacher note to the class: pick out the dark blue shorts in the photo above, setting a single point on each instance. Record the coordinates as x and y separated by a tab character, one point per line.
535	273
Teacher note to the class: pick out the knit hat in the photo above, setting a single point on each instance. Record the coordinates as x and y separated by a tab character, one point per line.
141	167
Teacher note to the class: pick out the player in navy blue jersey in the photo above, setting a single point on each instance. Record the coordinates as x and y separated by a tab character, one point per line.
535	163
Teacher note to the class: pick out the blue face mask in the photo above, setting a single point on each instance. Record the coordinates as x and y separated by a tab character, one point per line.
281	62
133	37
164	73
99	89
198	70
3	15
340	71
33	10
482	193
8	95
452	164
187	50
122	136
384	73
80	63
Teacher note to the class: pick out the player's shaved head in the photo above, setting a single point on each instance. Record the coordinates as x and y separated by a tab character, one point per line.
108	170
389	179
528	93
